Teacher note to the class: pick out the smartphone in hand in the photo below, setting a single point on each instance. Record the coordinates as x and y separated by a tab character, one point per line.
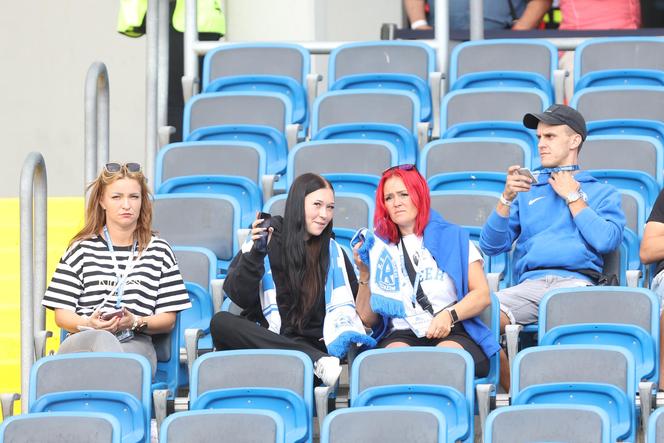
108	315
527	173
261	243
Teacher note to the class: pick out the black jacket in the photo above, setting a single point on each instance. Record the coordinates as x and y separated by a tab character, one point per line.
246	271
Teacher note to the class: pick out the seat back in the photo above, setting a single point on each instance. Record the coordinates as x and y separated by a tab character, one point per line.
489	154
366	106
538	423
211	222
58	427
206	426
466	208
353	210
276	205
236	108
240	59
629	179
490	104
615	60
340	157
655	431
197	265
640	153
389	424
244	159
614	102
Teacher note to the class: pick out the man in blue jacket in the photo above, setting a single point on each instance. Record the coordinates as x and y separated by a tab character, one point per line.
562	222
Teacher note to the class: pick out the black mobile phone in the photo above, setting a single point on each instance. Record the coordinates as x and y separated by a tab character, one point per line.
261	243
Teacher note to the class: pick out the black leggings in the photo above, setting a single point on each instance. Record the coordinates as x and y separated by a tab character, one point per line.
231	332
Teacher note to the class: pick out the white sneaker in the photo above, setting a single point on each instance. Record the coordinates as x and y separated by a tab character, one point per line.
328	369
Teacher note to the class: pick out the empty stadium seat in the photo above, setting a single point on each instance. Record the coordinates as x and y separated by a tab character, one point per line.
655	429
113	383
539	423
206	426
385	424
577	374
619	103
619	61
58	427
276	380
271	67
436	377
504	63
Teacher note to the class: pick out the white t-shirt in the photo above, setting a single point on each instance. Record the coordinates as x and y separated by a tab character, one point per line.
436	284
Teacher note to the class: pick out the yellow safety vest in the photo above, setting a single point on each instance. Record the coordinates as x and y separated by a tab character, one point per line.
131	17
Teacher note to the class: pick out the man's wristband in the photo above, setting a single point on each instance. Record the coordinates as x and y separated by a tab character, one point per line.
418	24
505	201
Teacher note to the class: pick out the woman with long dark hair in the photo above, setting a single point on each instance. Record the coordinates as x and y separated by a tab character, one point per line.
308	285
420	274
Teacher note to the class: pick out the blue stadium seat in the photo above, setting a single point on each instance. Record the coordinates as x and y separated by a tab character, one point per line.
399	65
504	63
113	383
648	128
468	181
441	378
276	380
57	427
636	181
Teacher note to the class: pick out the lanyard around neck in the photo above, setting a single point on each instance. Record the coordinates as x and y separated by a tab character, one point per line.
122	277
558	169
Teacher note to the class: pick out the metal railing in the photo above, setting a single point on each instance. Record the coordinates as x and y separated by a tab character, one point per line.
96	121
32	195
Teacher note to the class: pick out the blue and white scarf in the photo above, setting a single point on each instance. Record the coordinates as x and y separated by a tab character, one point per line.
341	326
383	259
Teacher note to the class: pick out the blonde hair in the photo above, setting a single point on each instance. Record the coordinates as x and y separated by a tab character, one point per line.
95	216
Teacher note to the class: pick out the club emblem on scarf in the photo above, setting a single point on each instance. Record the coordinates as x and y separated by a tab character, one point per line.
387	278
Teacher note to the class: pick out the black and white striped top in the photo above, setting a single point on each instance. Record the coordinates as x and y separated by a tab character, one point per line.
86	275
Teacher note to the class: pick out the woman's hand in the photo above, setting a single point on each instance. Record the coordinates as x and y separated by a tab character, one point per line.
257	230
440	326
361	266
96	322
127	320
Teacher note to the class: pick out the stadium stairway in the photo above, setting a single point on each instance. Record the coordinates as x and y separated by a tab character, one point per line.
65	217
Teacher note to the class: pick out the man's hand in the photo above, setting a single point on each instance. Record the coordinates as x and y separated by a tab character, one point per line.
563	183
515	183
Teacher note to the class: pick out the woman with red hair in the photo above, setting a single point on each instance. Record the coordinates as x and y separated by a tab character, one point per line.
421	275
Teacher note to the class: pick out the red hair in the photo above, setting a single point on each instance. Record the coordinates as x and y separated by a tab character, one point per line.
418	190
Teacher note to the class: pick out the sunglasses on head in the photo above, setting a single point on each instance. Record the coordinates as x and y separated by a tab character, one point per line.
404	167
113	168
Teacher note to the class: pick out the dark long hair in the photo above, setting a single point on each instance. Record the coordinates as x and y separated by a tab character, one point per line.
306	262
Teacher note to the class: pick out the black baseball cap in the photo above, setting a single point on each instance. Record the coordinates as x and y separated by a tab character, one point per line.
558	115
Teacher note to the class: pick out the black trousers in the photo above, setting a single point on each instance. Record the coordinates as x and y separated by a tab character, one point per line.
231	332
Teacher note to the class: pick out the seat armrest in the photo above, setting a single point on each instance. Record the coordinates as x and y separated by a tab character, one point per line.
189	87
633	276
159	402
559	76
164	135
40	343
191	338
484	392
494	278
292	131
435	83
7	401
217	286
512	337
321	394
646	388
312	81
242	235
422	134
267	185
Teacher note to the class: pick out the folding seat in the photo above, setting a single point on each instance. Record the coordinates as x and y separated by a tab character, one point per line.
350	165
387	115
504	63
441	378
233	116
639	182
465	208
401	65
632	152
222	167
603	315
277	380
211	221
266	67
655	429
58	427
206	426
113	383
473	154
577	374
491	112
619	61
633	110
538	423
389	424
